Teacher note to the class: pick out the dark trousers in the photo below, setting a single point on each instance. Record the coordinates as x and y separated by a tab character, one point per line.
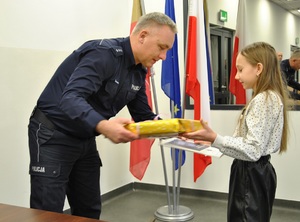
251	191
60	166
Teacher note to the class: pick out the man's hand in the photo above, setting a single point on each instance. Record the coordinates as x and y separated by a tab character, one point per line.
115	131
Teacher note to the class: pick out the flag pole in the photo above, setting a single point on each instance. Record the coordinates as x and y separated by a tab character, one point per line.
143	7
152	73
183	105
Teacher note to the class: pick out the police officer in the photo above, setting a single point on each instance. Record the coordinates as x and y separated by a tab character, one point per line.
89	87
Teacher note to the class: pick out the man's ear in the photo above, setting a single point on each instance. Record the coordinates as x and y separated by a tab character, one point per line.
142	36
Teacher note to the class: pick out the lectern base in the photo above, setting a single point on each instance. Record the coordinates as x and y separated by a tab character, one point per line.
182	214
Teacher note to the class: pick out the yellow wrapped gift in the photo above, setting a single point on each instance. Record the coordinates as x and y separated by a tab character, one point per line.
164	128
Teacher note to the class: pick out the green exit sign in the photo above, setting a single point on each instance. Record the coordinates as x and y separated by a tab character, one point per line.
223	16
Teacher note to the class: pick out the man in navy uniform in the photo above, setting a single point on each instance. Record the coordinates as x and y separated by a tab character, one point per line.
90	86
288	68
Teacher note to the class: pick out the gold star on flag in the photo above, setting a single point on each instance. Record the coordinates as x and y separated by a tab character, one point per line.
176	109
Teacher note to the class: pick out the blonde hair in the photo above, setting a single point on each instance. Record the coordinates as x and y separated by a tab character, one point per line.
269	79
154	18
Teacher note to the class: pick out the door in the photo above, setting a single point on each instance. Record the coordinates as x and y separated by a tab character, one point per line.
221	54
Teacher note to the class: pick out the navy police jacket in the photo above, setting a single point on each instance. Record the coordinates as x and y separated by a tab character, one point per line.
94	83
289	74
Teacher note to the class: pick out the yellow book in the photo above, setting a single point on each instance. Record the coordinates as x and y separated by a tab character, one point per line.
164	128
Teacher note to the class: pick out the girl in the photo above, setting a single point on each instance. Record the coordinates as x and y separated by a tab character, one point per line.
261	131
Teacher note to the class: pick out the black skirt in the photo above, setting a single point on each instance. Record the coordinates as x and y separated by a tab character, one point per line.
252	190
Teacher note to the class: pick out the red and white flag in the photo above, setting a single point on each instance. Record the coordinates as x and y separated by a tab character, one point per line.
197	74
235	87
140	150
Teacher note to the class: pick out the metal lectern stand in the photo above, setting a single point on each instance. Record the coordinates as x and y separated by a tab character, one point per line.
174	211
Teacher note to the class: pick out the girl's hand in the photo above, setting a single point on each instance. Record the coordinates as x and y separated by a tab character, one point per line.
205	134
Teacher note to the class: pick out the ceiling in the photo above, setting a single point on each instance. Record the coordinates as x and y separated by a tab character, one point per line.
290	5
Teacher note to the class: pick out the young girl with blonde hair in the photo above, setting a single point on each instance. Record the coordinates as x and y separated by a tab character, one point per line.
262	130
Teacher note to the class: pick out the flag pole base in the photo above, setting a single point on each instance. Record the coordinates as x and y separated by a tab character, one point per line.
181	214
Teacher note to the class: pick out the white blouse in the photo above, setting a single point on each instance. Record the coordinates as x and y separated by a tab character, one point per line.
260	132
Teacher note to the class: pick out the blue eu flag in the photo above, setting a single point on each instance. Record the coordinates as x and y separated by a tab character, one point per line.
170	82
